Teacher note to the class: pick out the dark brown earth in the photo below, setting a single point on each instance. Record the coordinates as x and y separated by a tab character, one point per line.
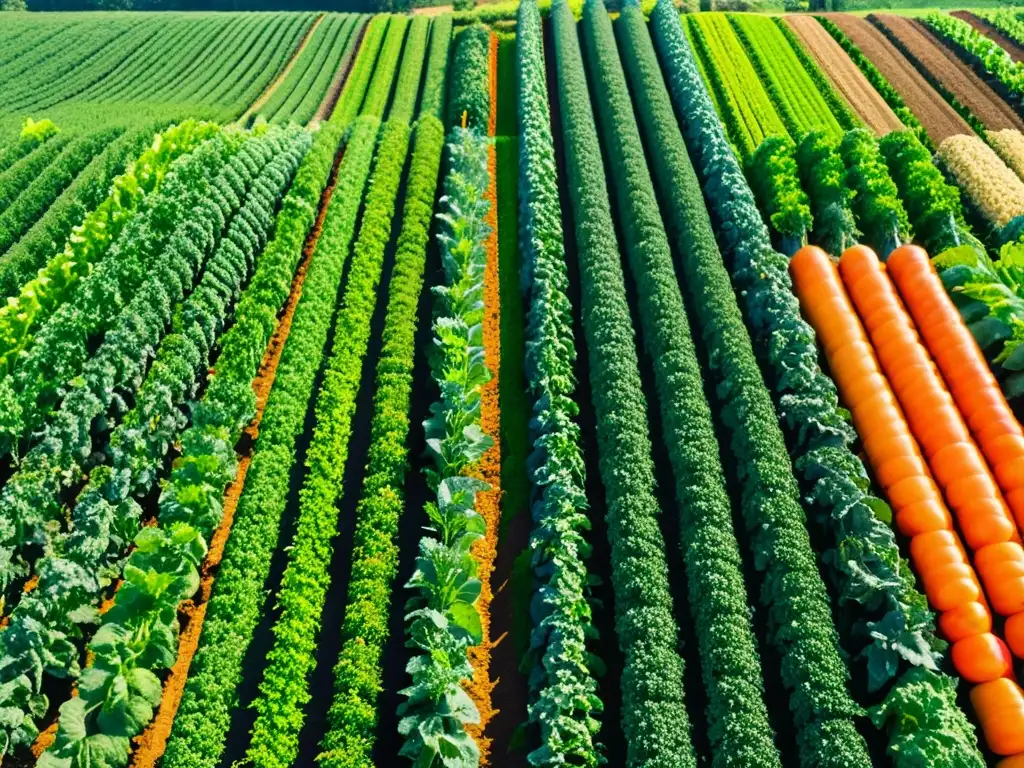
1005	42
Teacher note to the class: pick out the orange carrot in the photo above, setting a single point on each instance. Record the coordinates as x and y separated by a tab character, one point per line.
963	366
1000	709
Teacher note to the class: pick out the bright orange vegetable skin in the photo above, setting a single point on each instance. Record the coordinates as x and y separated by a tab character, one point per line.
982	658
963	366
1000	708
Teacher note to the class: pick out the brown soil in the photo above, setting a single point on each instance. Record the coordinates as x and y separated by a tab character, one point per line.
845	75
265	97
1005	42
330	101
488	469
953	74
939	119
435	10
153	741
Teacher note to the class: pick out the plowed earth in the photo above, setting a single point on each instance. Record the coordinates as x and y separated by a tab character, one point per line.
953	74
1005	42
939	119
845	75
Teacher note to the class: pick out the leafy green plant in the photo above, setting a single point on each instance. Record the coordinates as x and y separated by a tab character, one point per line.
876	202
469	89
824	176
407	86
564	701
894	631
432	101
775	179
379	91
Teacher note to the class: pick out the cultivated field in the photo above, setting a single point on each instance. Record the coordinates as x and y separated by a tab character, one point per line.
524	386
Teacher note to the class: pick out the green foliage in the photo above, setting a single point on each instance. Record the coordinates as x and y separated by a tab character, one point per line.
469	91
564	700
1006	21
824	175
877	80
358	82
433	99
865	564
357	675
403	106
876	202
793	91
442	619
992	61
836	104
35	132
379	92
204	715
739	730
284	690
14	180
654	718
932	204
775	179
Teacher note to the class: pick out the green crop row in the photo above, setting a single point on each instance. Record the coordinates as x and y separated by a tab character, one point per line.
403	105
379	92
824	177
359	79
749	111
357	675
323	73
794	93
564	701
200	729
33	135
876	202
738	725
284	690
44	188
433	99
131	645
993	62
654	717
870	573
469	88
15	179
877	80
89	188
1007	21
836	103
71	586
775	179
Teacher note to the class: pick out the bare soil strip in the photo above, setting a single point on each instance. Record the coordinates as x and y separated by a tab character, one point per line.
950	72
330	101
1005	42
152	743
938	118
845	75
265	97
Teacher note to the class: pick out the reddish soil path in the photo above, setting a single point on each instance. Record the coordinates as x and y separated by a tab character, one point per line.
845	75
1005	42
951	73
938	118
151	744
327	106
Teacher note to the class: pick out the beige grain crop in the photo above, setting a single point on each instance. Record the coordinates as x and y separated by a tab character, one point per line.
997	191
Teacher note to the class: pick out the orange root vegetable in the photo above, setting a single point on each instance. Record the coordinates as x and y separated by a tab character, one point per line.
1000	708
965	621
964	369
982	658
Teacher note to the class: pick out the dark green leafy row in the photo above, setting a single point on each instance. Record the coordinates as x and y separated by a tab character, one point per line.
433	100
403	106
469	90
357	675
45	618
654	715
204	715
876	203
15	179
136	639
30	498
775	179
869	573
45	187
284	690
738	726
33	134
384	73
564	701
799	616
877	80
824	177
